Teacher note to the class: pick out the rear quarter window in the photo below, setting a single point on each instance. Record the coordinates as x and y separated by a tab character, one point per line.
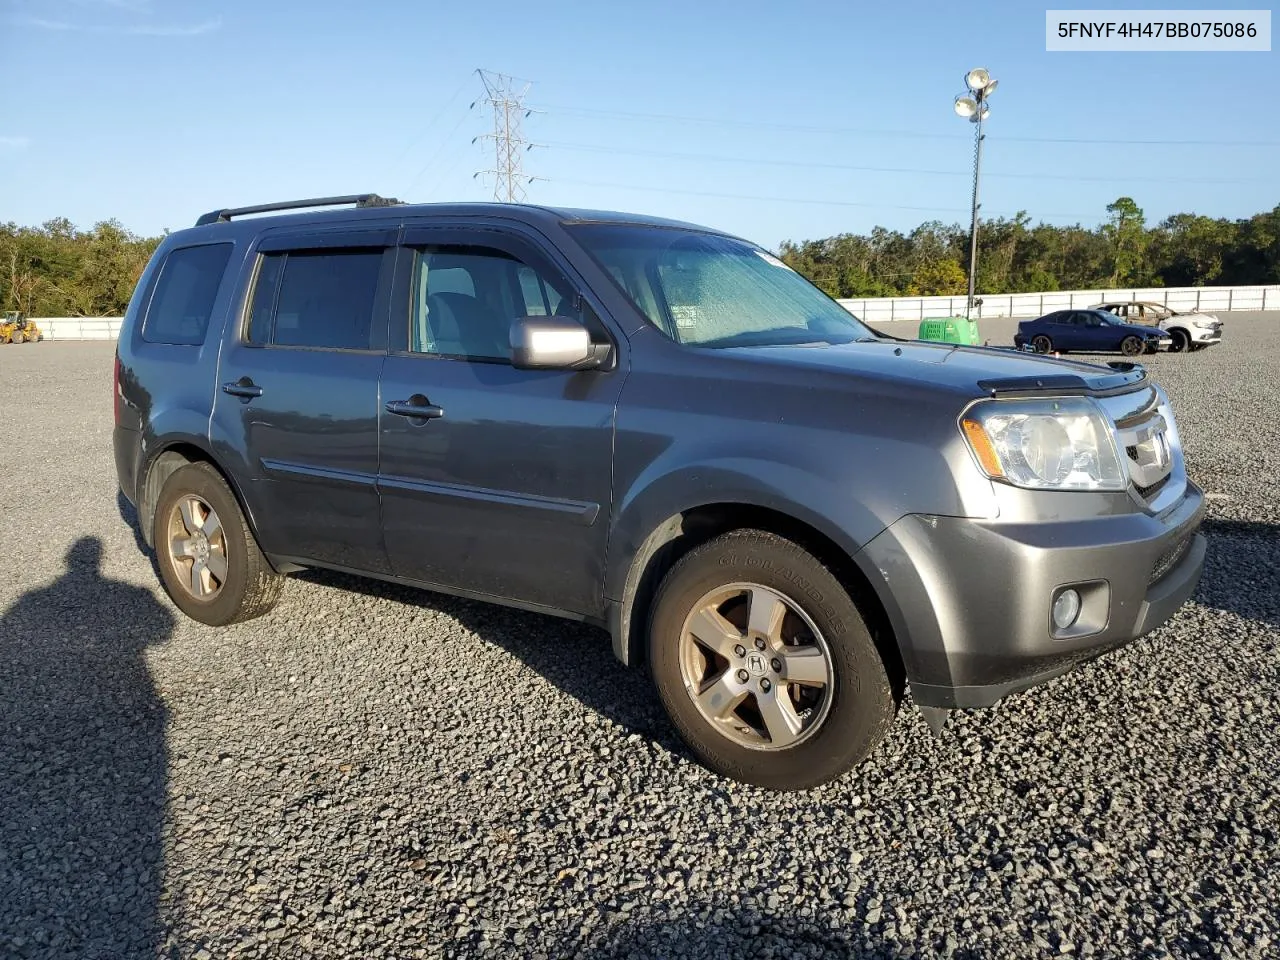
185	290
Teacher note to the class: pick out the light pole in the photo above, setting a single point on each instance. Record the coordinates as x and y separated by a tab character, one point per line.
972	106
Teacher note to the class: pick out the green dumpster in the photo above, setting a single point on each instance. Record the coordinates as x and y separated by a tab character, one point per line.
950	330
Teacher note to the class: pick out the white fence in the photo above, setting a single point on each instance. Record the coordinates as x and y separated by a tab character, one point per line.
79	328
881	309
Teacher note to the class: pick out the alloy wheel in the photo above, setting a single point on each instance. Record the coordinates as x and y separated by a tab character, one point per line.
197	547
756	667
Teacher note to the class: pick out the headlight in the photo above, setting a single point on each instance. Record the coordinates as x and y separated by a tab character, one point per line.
1204	324
1064	444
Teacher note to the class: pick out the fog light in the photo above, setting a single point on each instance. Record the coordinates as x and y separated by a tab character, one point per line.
1066	608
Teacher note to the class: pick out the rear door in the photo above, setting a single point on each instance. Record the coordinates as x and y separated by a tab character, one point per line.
298	393
503	486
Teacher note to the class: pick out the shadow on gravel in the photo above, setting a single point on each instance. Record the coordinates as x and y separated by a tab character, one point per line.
575	657
129	514
1242	569
82	767
744	932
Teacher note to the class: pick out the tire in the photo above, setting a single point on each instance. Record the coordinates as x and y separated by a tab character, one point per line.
17	337
240	583
836	722
1041	344
1181	342
1131	346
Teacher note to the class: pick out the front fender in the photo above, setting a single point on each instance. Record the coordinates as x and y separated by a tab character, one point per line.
772	485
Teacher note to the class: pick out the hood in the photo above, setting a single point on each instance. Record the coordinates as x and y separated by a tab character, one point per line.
976	371
1142	329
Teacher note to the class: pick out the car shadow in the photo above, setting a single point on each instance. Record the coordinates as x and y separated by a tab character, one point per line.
580	661
129	514
743	931
1242	569
83	764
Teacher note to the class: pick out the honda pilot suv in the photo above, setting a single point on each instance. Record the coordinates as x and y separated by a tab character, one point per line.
657	428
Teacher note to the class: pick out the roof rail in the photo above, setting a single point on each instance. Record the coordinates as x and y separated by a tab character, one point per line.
359	199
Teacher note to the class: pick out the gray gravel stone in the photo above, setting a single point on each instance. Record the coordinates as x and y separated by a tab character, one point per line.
373	771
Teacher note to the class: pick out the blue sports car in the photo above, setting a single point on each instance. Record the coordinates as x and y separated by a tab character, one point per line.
1089	331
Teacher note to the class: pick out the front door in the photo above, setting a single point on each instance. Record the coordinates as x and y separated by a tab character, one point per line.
297	403
502	485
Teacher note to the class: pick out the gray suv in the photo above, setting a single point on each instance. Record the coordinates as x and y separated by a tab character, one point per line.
656	428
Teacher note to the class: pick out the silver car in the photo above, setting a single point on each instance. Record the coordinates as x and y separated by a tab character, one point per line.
1189	331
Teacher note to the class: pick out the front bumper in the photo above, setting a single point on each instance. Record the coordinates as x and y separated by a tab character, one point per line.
970	599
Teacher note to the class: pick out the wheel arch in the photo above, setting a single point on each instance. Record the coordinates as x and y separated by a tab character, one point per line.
166	461
672	538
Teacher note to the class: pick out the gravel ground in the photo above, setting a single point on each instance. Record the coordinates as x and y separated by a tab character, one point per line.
371	771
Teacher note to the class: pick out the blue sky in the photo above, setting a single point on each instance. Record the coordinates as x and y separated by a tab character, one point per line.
153	111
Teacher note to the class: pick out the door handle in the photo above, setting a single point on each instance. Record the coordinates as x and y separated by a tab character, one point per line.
416	407
244	388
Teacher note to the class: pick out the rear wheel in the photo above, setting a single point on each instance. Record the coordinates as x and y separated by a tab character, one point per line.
209	561
1131	346
1181	342
17	336
765	665
1041	344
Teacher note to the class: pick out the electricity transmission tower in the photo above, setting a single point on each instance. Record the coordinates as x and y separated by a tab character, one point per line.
505	96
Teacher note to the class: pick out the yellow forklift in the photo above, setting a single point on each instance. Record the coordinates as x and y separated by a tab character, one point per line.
15	328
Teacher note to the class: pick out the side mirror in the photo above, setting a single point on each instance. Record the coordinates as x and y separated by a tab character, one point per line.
553	343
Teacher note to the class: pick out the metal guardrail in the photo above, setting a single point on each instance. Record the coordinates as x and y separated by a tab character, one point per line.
881	309
79	328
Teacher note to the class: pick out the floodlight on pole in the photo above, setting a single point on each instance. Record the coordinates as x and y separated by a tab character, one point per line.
972	106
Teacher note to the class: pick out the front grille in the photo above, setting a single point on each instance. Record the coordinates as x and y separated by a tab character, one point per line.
1146	493
1169	559
1148	449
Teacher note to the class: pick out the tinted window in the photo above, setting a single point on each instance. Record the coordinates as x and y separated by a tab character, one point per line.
465	298
264	298
316	299
184	293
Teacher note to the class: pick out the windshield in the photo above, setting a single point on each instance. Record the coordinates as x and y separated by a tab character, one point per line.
712	291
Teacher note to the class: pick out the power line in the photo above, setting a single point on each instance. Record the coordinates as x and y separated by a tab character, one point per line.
444	143
808	164
807	200
905	134
414	144
509	146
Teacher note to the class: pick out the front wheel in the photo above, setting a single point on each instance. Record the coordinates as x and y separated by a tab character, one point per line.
209	561
765	665
17	337
1181	342
1131	346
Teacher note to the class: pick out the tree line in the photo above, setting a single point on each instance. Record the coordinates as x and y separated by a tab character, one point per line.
58	270
1183	250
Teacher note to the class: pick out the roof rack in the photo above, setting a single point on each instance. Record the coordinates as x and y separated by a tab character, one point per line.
359	199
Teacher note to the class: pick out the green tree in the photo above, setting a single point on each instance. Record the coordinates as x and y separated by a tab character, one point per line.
1125	230
938	278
